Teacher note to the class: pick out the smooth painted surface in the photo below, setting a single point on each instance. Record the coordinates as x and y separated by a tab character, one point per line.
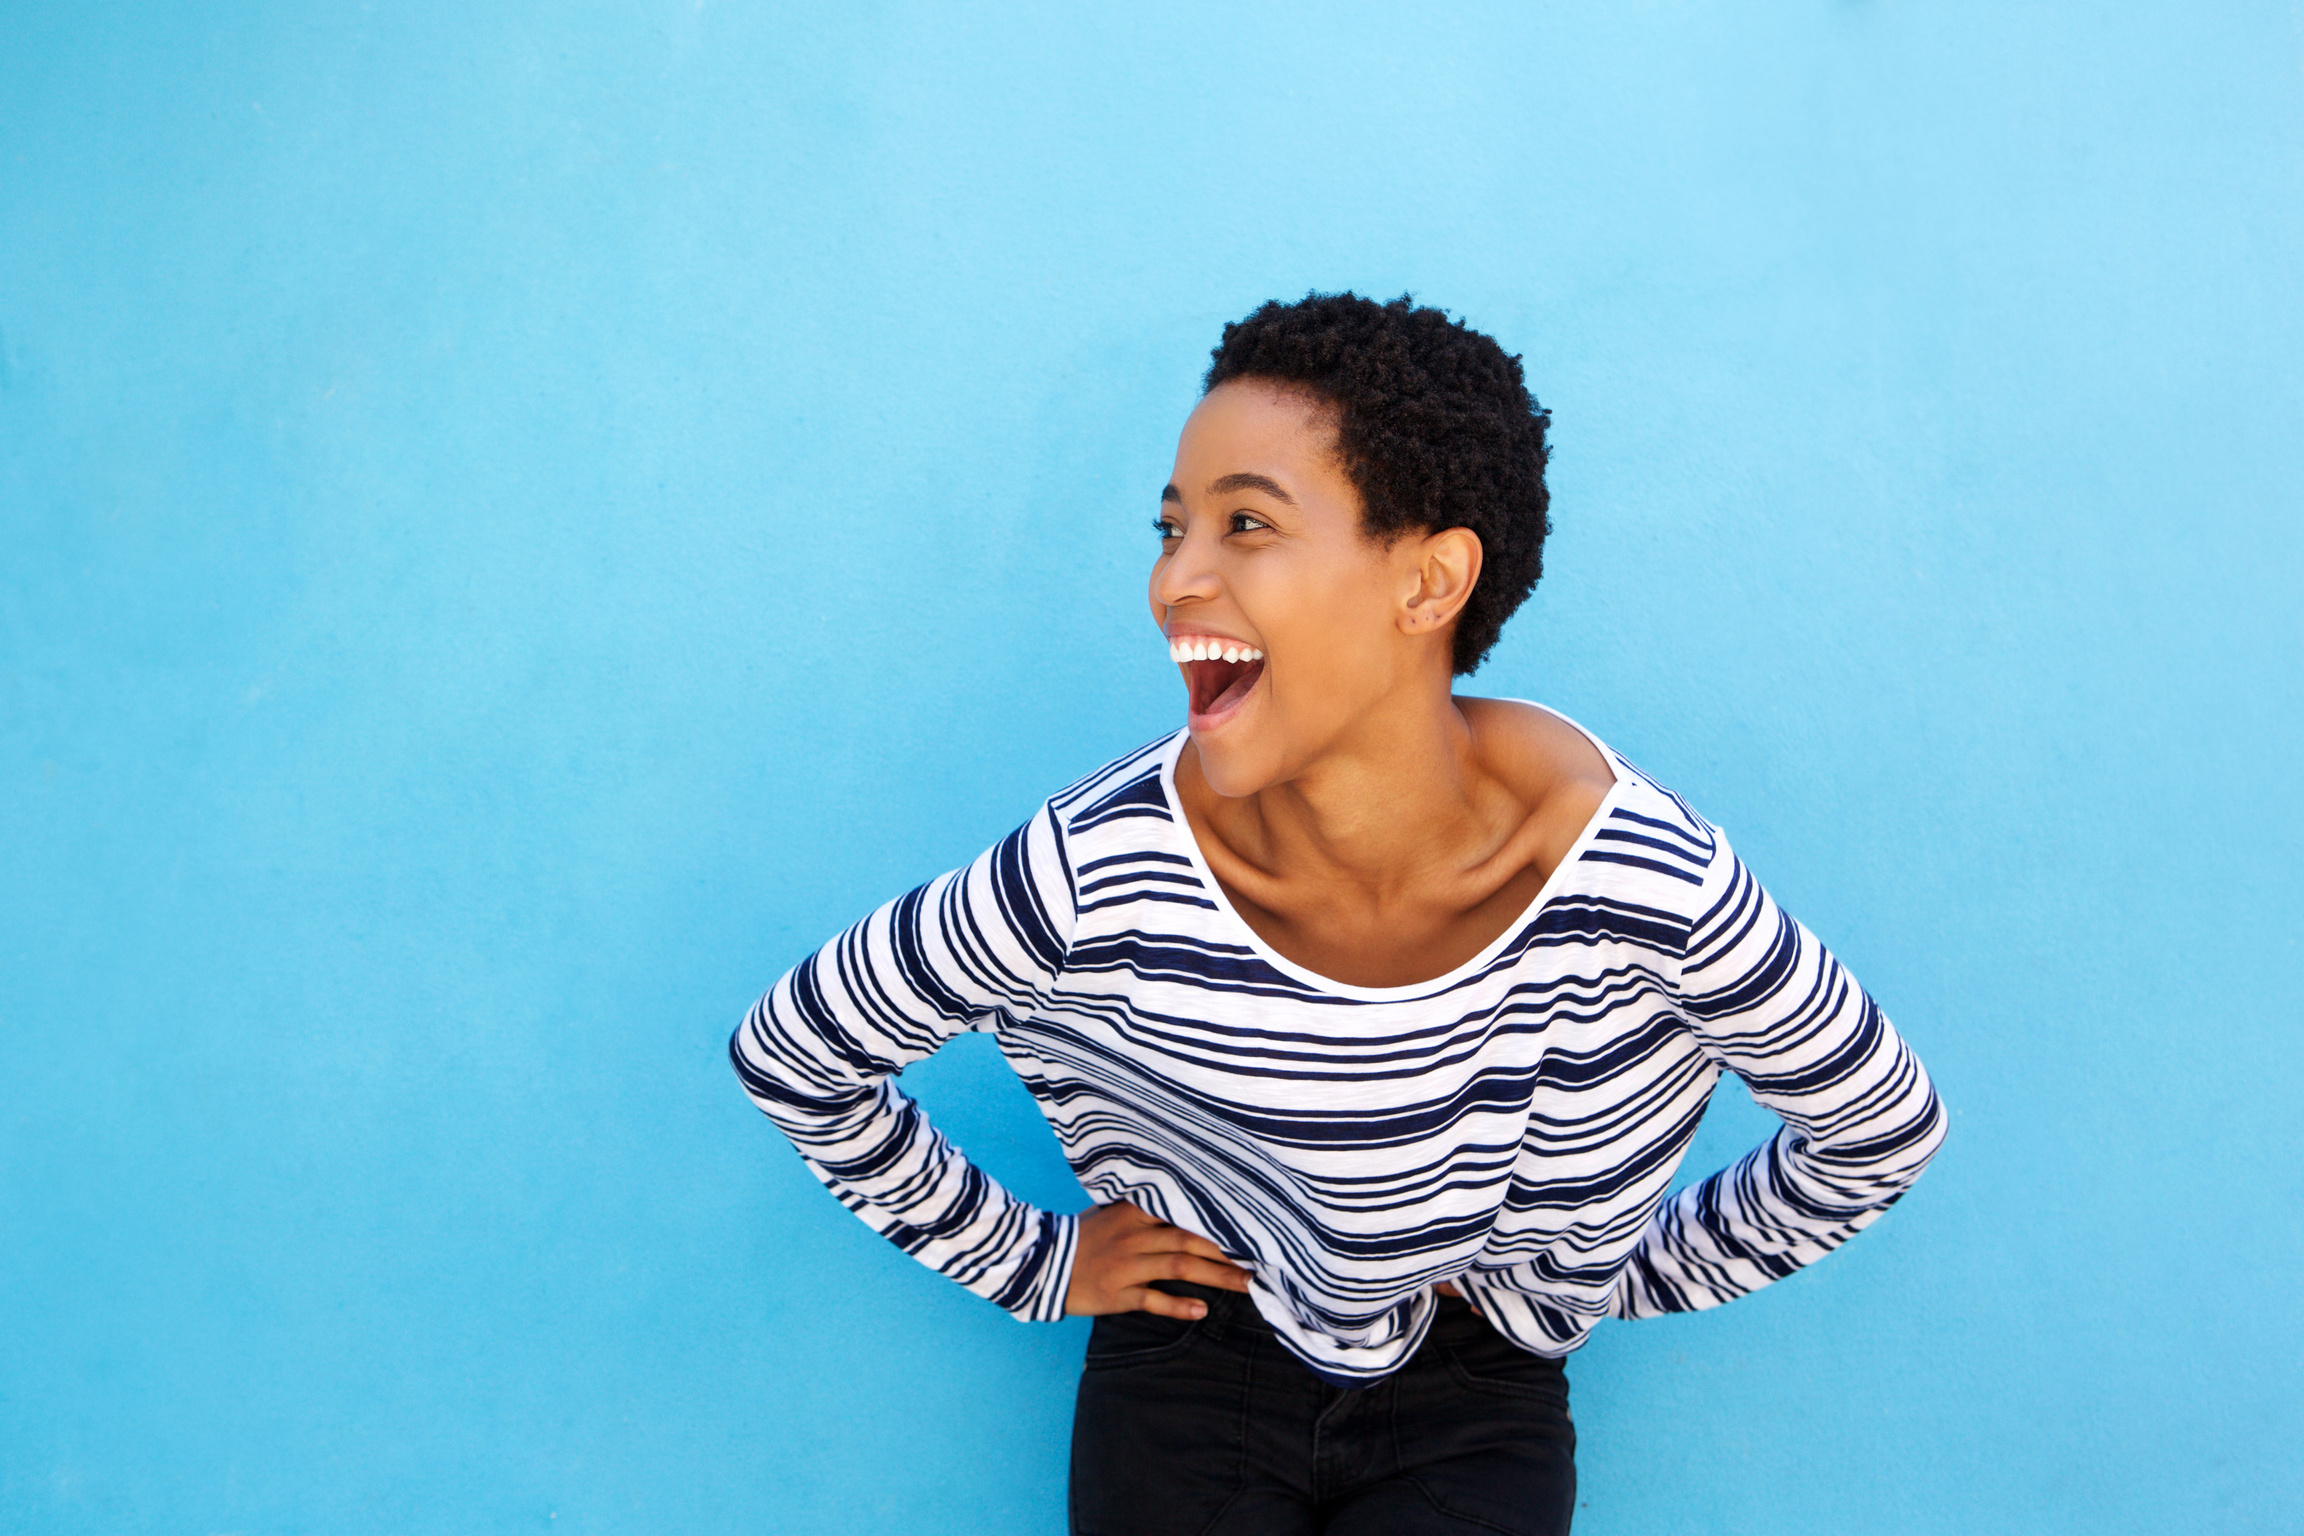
518	521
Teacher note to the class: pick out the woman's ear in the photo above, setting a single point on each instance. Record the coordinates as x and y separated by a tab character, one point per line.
1447	563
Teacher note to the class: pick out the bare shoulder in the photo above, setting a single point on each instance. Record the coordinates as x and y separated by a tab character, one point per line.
1549	765
1534	749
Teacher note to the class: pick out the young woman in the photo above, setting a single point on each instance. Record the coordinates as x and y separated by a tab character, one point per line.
1375	1019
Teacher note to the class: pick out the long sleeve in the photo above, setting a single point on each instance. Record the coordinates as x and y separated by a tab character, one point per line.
817	1053
1766	1001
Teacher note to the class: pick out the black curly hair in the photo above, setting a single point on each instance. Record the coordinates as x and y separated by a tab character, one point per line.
1435	426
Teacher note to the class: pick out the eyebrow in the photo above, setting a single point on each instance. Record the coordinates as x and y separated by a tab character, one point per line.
1227	484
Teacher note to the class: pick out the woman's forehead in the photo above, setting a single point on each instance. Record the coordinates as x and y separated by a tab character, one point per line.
1250	430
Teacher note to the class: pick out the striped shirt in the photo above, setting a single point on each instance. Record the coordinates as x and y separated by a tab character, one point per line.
1513	1125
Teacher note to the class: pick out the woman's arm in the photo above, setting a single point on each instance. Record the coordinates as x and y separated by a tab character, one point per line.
818	1051
1770	1004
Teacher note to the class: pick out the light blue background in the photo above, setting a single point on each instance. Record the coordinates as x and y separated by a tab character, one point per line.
518	521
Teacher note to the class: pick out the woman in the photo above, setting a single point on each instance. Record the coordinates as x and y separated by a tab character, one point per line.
1375	1019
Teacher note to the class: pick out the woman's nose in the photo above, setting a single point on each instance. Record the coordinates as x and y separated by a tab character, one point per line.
1186	574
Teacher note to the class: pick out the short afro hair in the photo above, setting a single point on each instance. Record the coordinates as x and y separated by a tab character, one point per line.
1436	428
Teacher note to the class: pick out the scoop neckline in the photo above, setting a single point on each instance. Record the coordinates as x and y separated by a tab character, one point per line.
1414	989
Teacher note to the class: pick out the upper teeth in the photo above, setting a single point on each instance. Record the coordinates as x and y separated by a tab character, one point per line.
1200	649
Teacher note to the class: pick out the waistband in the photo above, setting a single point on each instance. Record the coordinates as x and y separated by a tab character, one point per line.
1230	1312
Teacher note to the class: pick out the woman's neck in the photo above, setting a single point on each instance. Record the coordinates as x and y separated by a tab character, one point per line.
1406	849
1401	796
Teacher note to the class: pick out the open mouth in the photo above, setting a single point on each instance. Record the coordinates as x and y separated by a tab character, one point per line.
1220	674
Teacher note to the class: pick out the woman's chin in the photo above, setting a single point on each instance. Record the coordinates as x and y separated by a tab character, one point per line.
1235	759
1234	732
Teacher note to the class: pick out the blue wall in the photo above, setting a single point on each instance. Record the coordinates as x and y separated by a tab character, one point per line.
517	521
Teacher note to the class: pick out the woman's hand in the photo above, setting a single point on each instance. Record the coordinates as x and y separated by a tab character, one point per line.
1122	1251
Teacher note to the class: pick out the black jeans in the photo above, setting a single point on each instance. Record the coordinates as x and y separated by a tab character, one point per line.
1212	1428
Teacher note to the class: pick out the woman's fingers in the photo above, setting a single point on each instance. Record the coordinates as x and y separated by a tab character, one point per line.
1224	1277
1160	1237
1171	1253
1184	1266
1123	1251
1186	1308
1194	1243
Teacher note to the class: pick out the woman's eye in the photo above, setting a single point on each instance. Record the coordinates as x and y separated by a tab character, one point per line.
1164	528
1243	523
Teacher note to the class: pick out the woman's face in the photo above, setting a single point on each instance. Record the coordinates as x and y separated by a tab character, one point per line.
1303	626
